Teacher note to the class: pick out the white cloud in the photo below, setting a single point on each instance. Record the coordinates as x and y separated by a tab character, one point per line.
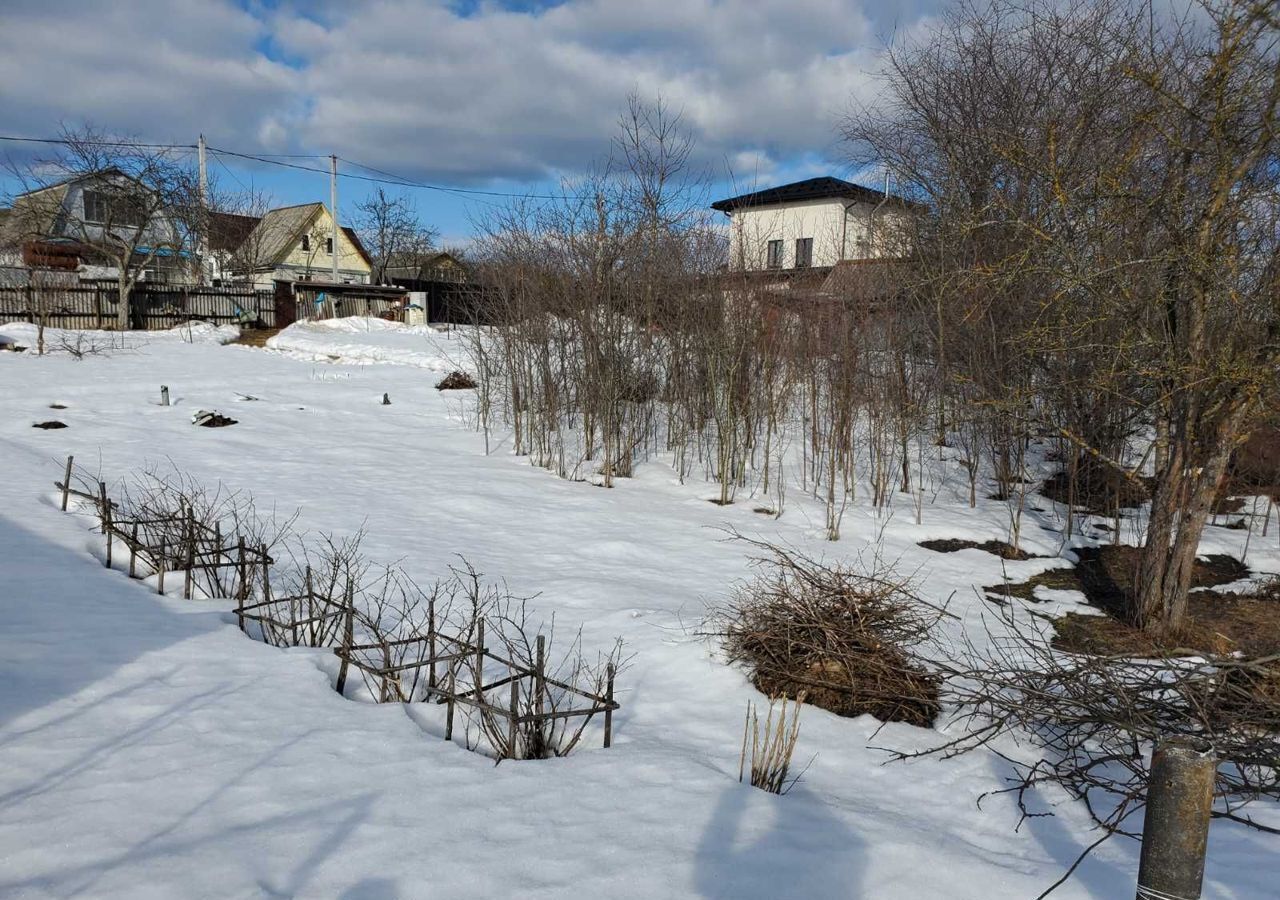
420	88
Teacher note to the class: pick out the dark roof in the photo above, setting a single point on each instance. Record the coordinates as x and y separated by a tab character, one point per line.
355	242
227	231
810	189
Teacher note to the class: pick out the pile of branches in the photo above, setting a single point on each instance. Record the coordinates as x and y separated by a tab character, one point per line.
1098	718
843	638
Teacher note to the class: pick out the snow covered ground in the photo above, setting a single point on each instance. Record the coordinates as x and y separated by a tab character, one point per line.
149	749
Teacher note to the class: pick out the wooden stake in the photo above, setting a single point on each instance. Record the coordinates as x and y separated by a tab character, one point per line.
431	642
306	581
133	551
480	662
608	708
242	590
102	505
66	483
160	571
513	716
109	531
448	716
266	575
164	395
540	674
347	641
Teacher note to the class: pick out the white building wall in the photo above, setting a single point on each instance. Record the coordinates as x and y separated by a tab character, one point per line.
839	231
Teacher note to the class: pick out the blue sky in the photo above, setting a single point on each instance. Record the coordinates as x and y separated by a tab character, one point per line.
474	94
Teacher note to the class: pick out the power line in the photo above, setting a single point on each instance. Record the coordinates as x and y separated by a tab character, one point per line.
98	143
278	159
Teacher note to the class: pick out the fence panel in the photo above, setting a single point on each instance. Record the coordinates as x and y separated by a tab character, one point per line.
151	307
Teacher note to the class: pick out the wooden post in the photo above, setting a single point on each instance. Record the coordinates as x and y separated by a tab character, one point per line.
164	395
102	505
453	691
608	708
1175	834
480	661
160	570
108	529
133	551
431	642
188	580
540	675
66	483
513	716
215	580
242	589
347	630
266	574
311	605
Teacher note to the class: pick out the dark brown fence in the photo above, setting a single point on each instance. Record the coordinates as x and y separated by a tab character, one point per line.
151	307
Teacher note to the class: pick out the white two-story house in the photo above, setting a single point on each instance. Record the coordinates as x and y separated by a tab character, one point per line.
814	224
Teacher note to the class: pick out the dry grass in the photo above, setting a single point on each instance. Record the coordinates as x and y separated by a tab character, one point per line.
772	747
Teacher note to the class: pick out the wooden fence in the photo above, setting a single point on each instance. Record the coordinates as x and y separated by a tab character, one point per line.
151	306
450	669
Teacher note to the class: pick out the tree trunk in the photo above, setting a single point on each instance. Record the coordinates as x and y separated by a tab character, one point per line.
1180	507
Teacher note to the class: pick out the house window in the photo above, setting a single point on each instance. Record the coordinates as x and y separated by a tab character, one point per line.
103	209
775	254
328	246
306	243
804	253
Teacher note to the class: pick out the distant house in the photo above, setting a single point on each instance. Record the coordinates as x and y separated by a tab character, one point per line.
411	269
291	243
65	227
813	224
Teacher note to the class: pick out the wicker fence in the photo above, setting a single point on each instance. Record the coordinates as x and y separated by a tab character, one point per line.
518	702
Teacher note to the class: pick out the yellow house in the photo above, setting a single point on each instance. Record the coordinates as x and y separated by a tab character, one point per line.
295	243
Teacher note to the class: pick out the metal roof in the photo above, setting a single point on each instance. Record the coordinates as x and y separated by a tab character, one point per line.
824	188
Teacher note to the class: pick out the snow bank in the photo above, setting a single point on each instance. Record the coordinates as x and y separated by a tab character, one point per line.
24	334
361	340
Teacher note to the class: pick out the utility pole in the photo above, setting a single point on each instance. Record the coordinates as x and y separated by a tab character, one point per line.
203	238
333	213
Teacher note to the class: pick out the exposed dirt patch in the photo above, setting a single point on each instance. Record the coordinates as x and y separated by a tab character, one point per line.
456	381
764	510
1096	486
1217	622
50	424
1062	579
256	337
56	406
997	548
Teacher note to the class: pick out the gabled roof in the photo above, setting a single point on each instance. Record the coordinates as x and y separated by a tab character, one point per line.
825	188
279	229
227	231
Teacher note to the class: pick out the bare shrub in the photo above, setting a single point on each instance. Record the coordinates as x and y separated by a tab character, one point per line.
184	525
772	747
554	691
843	637
1094	721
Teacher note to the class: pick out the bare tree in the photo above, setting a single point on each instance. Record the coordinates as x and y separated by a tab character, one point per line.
1103	193
389	227
118	201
